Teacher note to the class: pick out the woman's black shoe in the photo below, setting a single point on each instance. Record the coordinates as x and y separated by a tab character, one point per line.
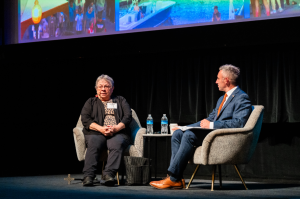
87	181
108	180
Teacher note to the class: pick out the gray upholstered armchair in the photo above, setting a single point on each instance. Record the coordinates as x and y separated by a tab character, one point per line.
135	149
229	146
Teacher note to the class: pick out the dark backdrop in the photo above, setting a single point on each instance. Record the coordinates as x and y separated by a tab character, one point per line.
174	72
1	24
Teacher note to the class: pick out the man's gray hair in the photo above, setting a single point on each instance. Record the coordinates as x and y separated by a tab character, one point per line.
106	78
231	72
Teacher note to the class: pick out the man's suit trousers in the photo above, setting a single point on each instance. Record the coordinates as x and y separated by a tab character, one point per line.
183	145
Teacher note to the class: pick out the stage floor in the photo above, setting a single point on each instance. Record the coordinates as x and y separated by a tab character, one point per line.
54	187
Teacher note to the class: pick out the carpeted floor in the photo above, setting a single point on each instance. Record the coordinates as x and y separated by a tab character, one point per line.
54	187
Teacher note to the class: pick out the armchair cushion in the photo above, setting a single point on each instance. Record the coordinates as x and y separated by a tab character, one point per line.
79	143
196	158
134	126
135	149
136	136
139	141
231	145
132	151
227	149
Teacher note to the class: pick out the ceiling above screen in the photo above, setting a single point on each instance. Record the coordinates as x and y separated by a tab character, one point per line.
42	20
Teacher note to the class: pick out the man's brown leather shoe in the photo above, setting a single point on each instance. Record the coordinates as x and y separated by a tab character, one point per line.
183	183
167	184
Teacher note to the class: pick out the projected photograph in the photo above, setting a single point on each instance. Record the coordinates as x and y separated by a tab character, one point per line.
62	19
44	19
136	14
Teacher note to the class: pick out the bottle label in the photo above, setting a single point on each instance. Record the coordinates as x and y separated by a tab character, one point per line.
149	122
164	122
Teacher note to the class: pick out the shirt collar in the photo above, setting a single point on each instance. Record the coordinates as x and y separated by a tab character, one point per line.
231	91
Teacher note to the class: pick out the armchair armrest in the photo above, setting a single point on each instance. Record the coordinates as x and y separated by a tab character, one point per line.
210	137
79	143
227	146
139	141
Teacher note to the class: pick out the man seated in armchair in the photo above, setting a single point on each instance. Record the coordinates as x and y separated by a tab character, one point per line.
232	111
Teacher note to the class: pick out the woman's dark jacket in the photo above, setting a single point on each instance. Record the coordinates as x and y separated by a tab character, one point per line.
93	111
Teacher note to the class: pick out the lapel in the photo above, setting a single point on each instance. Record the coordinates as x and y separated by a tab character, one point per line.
116	110
99	116
218	105
230	98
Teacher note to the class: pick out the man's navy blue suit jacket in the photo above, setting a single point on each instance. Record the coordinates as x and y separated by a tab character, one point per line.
234	113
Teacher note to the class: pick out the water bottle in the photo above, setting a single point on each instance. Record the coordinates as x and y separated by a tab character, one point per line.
149	124
164	124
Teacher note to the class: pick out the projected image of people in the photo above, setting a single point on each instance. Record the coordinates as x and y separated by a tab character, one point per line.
79	20
43	19
61	19
138	14
216	14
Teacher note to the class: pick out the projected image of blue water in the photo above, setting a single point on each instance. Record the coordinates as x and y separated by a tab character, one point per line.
44	19
136	14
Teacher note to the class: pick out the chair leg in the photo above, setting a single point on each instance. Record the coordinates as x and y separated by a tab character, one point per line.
122	173
213	177
220	175
118	178
238	172
192	178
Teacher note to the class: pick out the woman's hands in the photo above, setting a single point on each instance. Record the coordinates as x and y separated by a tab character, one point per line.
108	130
116	128
102	129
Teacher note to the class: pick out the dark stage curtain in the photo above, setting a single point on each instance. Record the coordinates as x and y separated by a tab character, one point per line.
182	84
45	96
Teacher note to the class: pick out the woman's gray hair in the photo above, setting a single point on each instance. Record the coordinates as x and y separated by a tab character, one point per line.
106	78
232	72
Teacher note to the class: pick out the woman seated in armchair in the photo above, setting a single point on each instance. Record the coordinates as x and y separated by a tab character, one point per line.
105	119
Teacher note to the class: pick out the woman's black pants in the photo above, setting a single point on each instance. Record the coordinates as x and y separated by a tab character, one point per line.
95	145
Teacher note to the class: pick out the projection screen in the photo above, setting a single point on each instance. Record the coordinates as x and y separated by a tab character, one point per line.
42	20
